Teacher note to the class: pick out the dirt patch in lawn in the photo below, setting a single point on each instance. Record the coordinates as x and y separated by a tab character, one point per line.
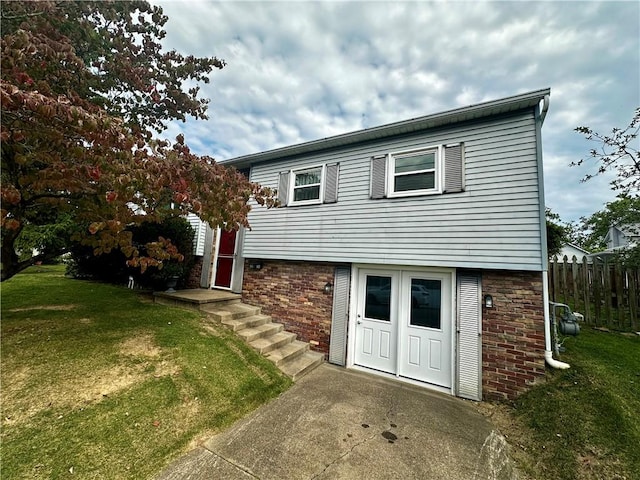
140	346
45	307
81	385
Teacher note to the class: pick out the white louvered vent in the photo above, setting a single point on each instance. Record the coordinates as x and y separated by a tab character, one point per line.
469	339
338	341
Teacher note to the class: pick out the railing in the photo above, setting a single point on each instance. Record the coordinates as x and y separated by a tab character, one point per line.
606	293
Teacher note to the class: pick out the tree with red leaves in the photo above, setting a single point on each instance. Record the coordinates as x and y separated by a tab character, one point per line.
84	88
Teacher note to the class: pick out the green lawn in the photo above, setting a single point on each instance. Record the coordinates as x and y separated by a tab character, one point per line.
98	383
584	423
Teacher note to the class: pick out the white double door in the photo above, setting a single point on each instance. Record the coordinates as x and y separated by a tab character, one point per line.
404	324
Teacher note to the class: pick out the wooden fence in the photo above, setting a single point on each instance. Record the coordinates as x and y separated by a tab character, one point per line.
605	293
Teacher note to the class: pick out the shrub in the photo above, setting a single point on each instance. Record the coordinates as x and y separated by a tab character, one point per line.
112	267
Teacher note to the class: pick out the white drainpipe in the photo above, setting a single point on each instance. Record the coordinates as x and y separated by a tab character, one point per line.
548	353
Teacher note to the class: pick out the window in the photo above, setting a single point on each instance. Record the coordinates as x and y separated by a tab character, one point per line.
306	185
414	173
309	186
426	171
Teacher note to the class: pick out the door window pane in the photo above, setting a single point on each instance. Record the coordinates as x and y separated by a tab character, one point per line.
378	298
227	242
425	303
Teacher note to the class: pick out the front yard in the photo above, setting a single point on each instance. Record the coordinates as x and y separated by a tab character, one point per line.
98	383
582	423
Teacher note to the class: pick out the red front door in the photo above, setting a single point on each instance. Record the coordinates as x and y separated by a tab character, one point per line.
225	259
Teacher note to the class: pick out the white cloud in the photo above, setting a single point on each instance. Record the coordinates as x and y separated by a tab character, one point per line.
299	71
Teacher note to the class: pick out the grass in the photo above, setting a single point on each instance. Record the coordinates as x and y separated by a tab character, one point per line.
98	383
583	423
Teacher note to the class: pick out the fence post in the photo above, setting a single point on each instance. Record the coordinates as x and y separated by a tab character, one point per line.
565	286
597	287
575	277
634	278
555	280
619	294
606	273
585	289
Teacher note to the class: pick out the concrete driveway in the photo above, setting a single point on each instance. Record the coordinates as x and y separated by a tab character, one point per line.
337	423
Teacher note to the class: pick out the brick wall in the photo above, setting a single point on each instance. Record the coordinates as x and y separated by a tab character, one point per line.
292	293
512	333
193	280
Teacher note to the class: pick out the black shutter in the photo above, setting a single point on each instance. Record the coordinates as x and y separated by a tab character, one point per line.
331	183
283	188
378	177
454	169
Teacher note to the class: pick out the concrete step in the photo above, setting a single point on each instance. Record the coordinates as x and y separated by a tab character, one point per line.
260	331
301	365
237	324
269	343
230	312
197	298
288	352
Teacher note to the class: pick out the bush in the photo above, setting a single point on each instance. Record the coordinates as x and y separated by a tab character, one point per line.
112	267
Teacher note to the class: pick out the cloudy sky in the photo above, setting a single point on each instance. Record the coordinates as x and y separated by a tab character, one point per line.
300	71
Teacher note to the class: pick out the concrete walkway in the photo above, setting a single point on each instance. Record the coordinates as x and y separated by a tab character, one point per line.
336	423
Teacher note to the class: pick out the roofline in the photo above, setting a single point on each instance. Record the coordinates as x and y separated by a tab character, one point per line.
577	247
479	110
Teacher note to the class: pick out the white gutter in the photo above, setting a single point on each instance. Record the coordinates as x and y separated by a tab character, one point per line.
548	353
545	108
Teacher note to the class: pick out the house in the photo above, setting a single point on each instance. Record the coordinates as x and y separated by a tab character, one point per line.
414	250
618	238
622	236
570	250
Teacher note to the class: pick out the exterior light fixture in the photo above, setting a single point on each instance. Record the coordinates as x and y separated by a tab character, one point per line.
328	288
488	301
255	265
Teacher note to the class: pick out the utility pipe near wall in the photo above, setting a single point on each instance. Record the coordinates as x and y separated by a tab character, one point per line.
548	352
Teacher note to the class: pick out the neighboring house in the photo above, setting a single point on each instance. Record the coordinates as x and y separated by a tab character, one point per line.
621	236
389	238
617	239
570	250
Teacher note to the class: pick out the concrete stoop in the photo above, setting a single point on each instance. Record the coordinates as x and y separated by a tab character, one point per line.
293	357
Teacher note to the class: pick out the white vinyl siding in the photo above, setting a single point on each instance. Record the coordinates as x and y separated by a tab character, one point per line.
493	223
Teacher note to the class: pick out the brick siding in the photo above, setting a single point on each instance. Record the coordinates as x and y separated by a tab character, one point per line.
292	293
512	333
513	330
193	279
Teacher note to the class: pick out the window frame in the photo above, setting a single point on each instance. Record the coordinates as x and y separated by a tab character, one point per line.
292	185
438	170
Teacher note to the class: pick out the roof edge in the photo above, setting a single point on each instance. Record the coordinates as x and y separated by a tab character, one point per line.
456	115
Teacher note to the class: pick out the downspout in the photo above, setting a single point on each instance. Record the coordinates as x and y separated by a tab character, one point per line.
548	353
